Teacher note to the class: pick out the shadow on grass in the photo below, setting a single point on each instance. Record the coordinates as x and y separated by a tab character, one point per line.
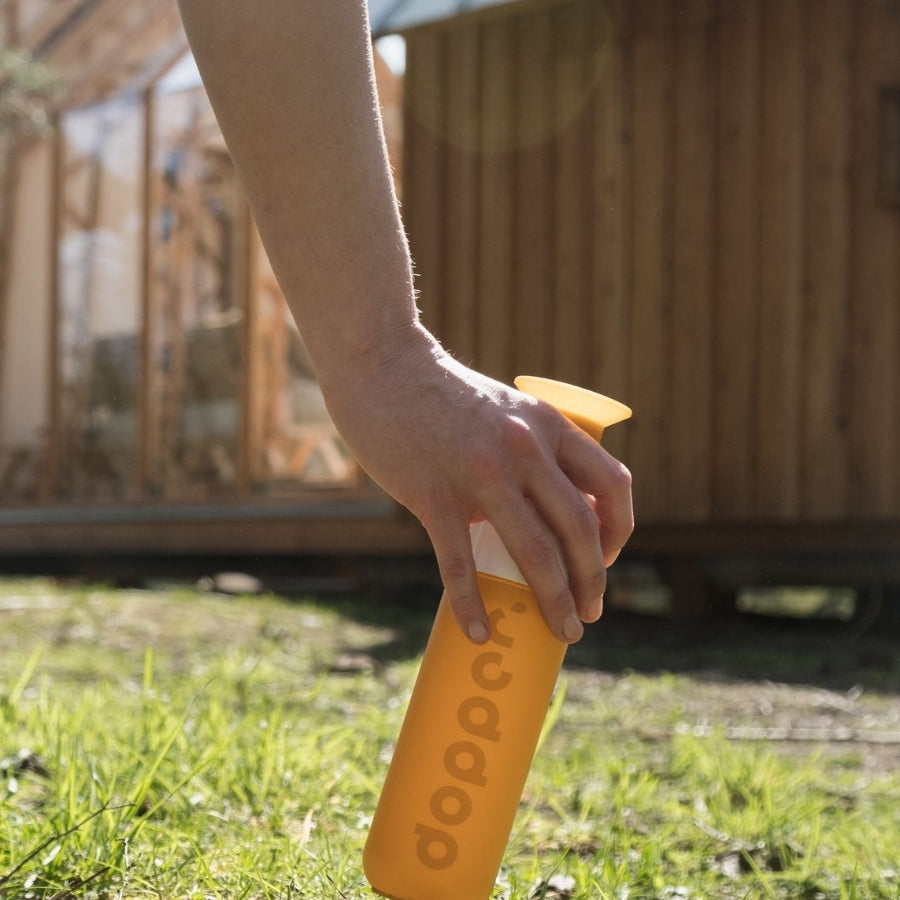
400	600
745	647
830	654
406	614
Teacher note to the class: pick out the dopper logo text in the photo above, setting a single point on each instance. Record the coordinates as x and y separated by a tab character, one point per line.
464	760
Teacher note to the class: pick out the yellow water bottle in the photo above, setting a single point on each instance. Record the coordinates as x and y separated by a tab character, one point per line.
474	718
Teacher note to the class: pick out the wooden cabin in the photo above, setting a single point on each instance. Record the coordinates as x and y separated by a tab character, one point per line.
155	396
691	206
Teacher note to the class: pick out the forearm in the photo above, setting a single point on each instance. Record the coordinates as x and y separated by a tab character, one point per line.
292	85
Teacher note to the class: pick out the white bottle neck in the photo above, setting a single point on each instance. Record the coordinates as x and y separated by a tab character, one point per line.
491	556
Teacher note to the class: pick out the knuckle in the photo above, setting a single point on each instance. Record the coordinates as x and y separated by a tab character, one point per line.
594	585
456	573
617	501
518	438
485	464
539	551
432	504
481	453
557	604
621	479
584	523
465	604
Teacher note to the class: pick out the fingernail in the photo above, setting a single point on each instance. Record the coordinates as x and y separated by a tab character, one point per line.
572	628
478	632
594	610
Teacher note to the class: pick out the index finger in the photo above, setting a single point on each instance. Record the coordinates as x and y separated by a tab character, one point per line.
596	472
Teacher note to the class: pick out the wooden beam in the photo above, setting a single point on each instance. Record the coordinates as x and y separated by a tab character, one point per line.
100	46
51	456
11	23
147	388
9	155
140	52
131	50
50	27
244	285
9	165
83	20
319	522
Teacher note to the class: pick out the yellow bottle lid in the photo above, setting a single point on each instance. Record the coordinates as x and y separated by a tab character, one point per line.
588	410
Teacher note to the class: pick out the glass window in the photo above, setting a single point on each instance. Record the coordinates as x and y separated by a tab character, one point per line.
99	256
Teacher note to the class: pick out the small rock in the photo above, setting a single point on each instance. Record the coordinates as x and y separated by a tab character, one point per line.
350	663
235	583
21	762
556	887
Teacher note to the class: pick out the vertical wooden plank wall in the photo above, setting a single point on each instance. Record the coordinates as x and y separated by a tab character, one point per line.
736	260
572	203
875	278
533	166
650	221
675	203
690	378
777	415
495	293
460	248
423	168
826	262
609	300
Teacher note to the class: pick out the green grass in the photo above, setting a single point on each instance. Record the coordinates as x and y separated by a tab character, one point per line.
172	744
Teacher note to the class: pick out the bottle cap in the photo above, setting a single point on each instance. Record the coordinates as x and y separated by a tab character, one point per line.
589	411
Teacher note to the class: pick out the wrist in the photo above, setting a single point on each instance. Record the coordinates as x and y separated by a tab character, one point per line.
355	362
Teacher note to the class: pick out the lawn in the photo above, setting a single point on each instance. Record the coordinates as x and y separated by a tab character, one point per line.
172	743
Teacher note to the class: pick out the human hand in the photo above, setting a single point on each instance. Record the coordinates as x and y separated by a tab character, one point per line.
456	447
451	445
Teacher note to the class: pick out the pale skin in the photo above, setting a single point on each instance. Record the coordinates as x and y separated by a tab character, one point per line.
292	85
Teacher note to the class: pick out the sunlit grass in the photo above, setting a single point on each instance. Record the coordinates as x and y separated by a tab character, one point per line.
178	745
